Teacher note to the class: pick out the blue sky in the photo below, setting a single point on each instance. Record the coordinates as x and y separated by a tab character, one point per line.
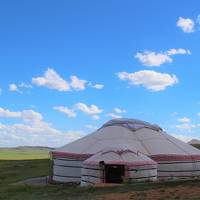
66	67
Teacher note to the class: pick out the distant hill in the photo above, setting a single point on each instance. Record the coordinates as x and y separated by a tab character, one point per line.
195	143
28	148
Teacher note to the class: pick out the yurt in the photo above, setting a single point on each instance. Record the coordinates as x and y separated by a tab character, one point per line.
117	164
175	159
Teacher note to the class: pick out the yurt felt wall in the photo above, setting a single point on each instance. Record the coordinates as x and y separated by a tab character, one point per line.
143	172
174	167
67	168
91	174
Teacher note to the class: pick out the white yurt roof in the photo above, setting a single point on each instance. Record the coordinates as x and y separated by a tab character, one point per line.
137	135
119	155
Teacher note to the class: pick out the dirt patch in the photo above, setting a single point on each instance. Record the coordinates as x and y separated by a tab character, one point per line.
179	192
39	181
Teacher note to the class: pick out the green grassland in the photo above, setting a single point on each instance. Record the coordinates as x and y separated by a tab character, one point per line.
21	166
30	153
14	171
23	154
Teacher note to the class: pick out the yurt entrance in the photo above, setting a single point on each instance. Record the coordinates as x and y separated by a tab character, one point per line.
114	173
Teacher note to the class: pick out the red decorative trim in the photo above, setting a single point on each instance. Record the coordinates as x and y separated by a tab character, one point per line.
130	164
159	157
174	157
56	154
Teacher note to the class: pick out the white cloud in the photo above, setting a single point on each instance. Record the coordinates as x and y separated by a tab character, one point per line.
24	134
174	114
119	110
184	120
178	51
17	88
187	126
65	110
33	131
150	58
153	59
9	114
89	126
77	83
151	80
186	24
31	117
198	114
13	87
184	138
95	117
90	110
113	115
198	19
28	116
52	80
96	86
25	85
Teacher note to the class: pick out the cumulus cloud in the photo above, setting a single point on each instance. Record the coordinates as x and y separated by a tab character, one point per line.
28	116
52	80
9	114
178	51
65	110
91	110
150	58
13	87
151	80
96	86
24	134
184	120
187	126
119	110
186	24
198	19
113	115
19	87
153	59
33	130
184	138
92	127
95	117
25	85
77	83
